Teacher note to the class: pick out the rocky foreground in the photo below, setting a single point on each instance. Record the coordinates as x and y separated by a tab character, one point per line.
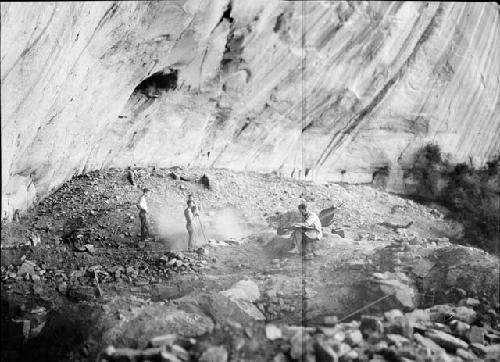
386	283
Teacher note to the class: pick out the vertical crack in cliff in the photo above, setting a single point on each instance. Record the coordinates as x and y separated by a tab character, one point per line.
341	136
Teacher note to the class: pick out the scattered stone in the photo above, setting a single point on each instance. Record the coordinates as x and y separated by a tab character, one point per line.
465	314
422	267
491	352
343	349
339	336
300	340
403	293
330	320
244	289
370	325
469	302
280	357
82	293
476	335
339	232
393	315
214	354
493	338
401	326
163	340
273	332
62	287
352	355
28	267
446	340
324	352
224	308
354	337
459	328
202	251
419	315
398	340
465	355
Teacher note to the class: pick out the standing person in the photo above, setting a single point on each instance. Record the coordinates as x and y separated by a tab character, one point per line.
195	208
190	213
306	232
143	211
131	176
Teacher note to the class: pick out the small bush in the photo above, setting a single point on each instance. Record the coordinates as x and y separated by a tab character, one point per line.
471	194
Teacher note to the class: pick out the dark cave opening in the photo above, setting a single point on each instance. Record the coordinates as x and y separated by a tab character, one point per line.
158	82
380	176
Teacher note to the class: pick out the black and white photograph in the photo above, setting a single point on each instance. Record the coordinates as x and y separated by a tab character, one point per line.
250	181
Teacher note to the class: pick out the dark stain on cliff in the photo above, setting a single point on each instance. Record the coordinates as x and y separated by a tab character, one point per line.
33	43
242	129
232	53
107	15
308	126
227	15
341	136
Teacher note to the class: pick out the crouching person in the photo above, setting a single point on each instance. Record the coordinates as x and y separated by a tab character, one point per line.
306	233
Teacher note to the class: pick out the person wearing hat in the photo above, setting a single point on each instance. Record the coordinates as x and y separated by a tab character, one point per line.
306	232
143	211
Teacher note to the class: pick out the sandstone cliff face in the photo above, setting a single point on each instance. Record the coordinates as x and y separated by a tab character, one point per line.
322	90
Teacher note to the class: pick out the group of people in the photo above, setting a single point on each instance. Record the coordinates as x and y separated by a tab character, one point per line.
303	235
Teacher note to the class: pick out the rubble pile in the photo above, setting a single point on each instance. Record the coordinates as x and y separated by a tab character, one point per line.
80	248
440	333
276	305
178	262
87	280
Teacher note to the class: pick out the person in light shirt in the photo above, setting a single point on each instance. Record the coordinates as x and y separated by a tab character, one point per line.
190	213
306	232
143	211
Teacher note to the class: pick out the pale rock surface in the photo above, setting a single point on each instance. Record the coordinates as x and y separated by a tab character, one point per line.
318	90
235	304
244	289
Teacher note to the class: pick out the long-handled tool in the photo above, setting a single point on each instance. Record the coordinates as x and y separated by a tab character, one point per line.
202	230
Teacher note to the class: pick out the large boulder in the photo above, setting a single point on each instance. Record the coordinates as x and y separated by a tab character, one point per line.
235	304
244	289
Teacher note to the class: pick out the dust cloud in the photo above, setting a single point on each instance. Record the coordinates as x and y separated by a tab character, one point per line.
222	224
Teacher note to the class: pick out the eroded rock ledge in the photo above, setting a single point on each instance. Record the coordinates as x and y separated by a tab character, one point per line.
324	90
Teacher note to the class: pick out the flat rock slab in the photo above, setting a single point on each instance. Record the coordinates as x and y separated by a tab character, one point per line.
244	289
446	340
223	309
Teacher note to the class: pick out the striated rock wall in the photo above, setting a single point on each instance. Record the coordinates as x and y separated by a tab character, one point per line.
318	90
